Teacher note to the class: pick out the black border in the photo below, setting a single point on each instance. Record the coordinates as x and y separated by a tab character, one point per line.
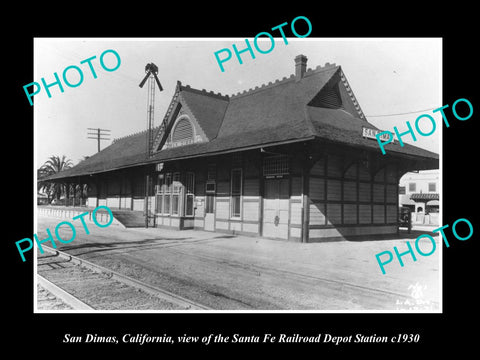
44	332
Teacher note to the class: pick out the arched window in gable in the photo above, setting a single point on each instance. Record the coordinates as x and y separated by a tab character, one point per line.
183	132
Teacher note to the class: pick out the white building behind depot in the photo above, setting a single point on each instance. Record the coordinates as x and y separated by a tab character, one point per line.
419	191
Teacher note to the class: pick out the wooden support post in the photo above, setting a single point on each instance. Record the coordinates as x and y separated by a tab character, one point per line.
397	200
67	193
97	202
74	193
261	193
147	180
305	213
131	182
306	166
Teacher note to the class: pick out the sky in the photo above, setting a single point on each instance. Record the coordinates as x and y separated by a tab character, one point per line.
387	75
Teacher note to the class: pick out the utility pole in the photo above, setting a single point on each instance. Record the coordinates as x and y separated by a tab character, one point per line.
99	134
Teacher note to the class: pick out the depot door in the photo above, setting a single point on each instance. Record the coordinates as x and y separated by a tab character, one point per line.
275	208
209	212
210	191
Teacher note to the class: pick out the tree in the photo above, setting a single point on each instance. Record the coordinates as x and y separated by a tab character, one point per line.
53	165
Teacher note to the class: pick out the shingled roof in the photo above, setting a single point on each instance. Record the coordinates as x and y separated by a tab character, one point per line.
287	110
208	108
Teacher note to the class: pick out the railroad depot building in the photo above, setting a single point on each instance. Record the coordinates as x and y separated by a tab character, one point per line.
290	159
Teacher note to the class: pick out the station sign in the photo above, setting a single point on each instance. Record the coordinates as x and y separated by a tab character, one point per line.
371	134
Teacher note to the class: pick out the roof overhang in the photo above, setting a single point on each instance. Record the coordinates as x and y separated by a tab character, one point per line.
158	158
424	197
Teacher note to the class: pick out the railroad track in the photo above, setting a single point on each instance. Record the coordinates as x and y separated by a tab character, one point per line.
53	263
337	285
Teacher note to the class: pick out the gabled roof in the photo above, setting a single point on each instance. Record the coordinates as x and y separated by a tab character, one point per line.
209	108
127	151
287	110
277	104
340	126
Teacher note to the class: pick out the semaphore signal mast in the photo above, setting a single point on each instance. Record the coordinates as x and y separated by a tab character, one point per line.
151	75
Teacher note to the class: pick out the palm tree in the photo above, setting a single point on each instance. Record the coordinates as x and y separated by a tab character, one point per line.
52	166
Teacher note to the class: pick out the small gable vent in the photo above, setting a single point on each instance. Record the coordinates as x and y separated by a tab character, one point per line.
328	97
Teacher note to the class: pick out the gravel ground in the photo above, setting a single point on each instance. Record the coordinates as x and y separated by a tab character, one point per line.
47	301
238	272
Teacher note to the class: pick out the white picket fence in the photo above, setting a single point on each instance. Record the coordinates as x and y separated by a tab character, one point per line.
102	216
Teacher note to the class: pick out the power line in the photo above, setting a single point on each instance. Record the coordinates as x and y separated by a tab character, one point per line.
405	113
98	134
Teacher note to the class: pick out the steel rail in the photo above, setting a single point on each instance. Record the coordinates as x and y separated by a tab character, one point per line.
63	295
152	290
